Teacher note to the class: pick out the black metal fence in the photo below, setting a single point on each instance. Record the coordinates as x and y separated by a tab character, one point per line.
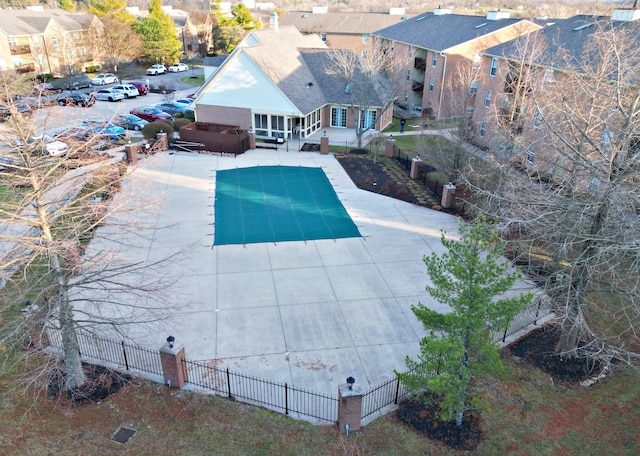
539	308
277	396
122	355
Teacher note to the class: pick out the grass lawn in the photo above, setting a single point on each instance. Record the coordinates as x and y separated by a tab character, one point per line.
193	80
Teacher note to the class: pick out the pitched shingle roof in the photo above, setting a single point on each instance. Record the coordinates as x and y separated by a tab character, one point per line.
346	23
441	32
27	22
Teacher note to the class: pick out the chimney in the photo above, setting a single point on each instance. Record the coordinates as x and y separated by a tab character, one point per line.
273	21
441	11
396	11
497	15
625	15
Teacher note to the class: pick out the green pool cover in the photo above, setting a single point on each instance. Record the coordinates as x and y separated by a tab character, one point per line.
278	203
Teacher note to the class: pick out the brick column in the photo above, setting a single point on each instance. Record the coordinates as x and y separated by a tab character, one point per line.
349	407
390	148
252	140
448	195
415	168
163	141
324	145
172	365
132	154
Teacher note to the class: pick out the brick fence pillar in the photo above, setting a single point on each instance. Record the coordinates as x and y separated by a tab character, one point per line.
415	168
324	145
390	148
131	152
252	140
349	407
172	357
163	142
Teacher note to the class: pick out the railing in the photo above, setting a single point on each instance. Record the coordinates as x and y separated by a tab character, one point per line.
280	397
20	49
26	68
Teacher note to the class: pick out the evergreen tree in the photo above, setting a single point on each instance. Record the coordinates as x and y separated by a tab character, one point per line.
460	344
159	35
67	5
110	8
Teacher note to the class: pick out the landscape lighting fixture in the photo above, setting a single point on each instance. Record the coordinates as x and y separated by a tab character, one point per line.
170	341
350	382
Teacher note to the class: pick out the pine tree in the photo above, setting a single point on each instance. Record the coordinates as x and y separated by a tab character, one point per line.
460	345
159	35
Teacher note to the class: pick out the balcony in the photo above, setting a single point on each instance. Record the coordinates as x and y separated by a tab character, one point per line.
18	49
25	68
417	87
419	64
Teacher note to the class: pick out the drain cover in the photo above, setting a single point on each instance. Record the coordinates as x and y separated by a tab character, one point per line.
123	434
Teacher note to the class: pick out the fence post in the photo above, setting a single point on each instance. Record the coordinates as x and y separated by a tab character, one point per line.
395	401
171	358
286	399
504	336
349	406
535	322
390	148
324	145
124	353
229	383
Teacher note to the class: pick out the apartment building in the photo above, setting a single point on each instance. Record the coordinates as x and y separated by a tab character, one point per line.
433	50
344	30
37	40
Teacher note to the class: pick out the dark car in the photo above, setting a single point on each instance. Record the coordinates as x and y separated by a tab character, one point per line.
4	162
76	99
129	121
151	113
20	107
142	87
105	129
46	88
177	110
78	82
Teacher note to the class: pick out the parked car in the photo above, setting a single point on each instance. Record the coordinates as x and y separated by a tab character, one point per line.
177	110
109	95
78	82
178	67
20	107
129	121
76	99
37	101
104	79
157	69
44	144
151	113
46	88
105	128
142	87
185	101
129	90
4	162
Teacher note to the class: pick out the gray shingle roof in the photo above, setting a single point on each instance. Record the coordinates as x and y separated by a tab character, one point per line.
569	35
27	22
441	32
346	23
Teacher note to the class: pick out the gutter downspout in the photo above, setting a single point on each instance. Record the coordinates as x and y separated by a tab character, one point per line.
444	70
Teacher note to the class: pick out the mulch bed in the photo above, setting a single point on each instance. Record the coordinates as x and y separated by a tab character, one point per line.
537	349
100	383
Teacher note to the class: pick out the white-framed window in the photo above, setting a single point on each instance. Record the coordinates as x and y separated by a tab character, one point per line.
323	36
365	38
483	129
408	75
410	55
494	66
339	117
531	154
473	88
606	140
434	60
13	42
54	42
261	124
365	53
548	76
487	98
368	120
432	83
477	61
277	126
537	120
406	96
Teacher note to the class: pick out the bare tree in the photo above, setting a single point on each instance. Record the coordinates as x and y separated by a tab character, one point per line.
58	194
573	198
117	42
365	84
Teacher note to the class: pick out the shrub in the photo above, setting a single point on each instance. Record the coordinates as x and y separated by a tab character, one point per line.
44	77
92	68
150	131
179	123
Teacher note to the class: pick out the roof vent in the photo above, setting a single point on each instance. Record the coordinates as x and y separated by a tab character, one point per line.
484	24
581	27
421	18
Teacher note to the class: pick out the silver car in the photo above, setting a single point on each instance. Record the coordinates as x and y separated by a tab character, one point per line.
129	91
109	95
104	78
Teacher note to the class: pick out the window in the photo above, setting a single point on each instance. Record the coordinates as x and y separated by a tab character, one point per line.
487	98
494	66
408	75
483	129
548	76
323	36
365	38
277	126
537	120
432	82
339	117
477	61
531	153
54	41
606	140
365	53
13	42
406	96
410	52
473	88
434	61
261	122
368	120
